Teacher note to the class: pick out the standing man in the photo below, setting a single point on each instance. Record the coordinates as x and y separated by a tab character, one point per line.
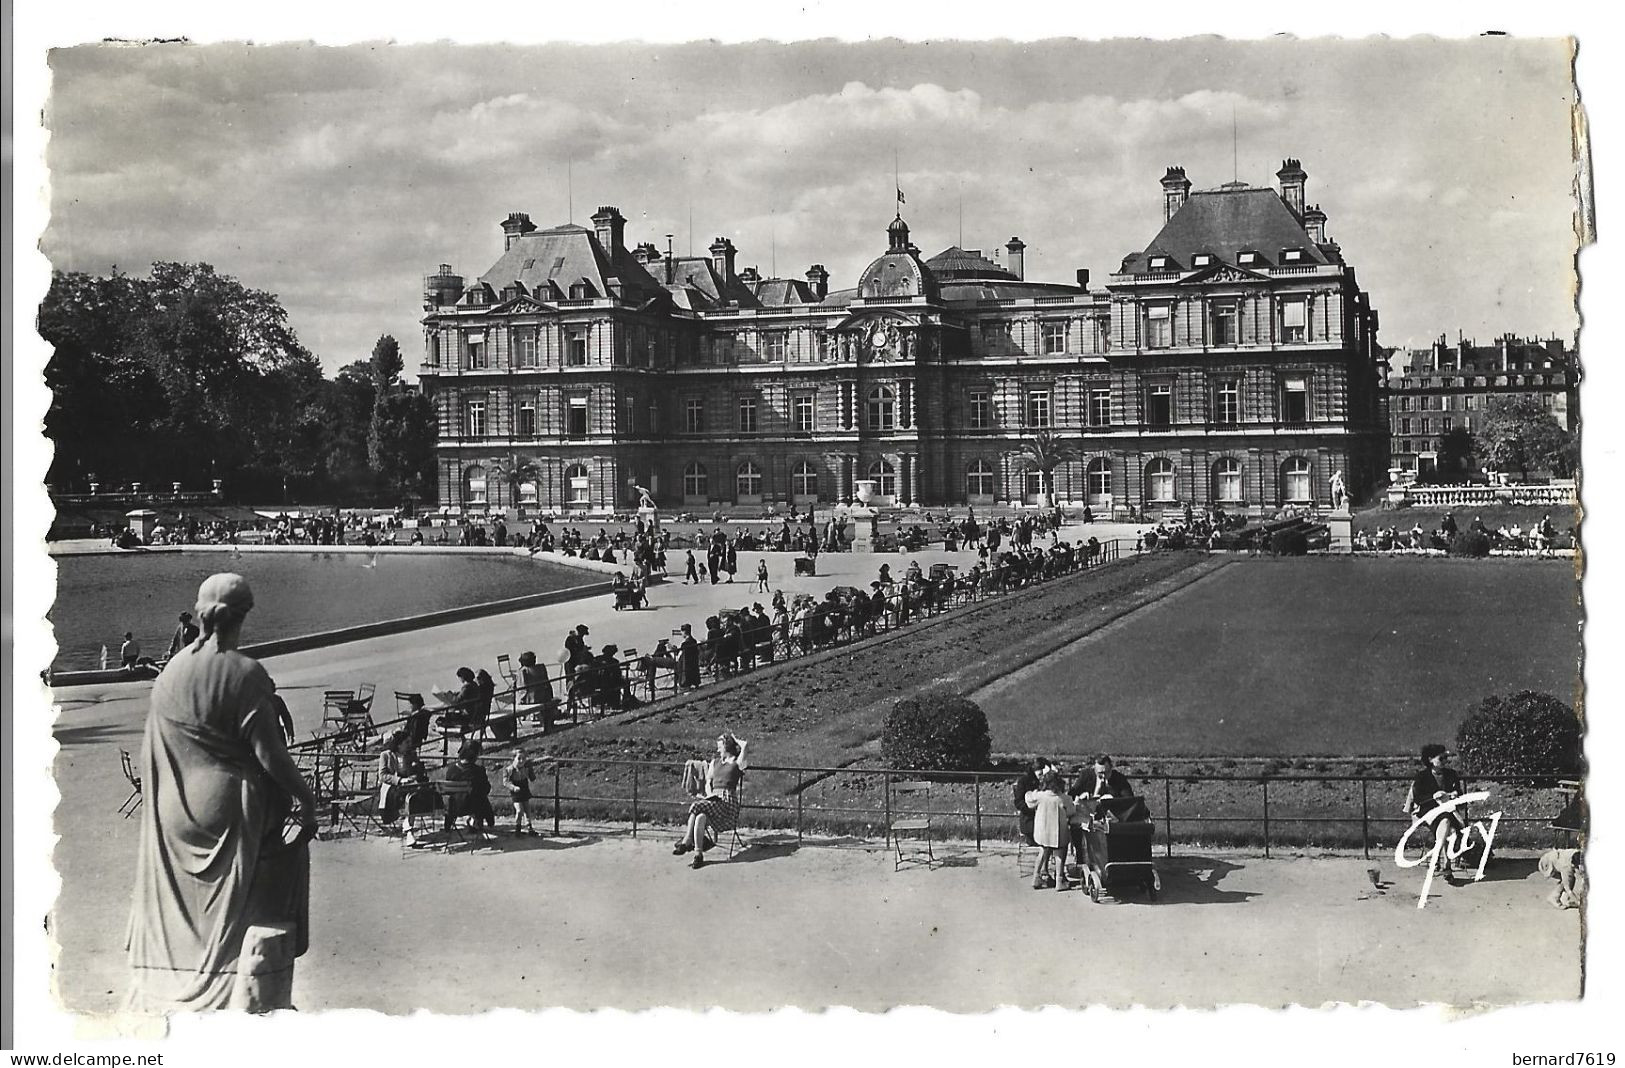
129	654
185	634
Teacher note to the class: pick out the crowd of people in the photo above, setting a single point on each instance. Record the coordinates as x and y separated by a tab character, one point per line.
1052	814
1540	538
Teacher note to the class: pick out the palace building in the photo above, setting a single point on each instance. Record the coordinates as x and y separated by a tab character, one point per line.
1232	361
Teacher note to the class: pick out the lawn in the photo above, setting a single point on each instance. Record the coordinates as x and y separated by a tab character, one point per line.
1305	657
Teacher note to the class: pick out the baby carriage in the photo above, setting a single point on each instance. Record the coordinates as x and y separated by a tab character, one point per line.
1117	848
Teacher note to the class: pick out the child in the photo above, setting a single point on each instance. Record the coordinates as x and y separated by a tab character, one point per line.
761	576
519	774
1053	812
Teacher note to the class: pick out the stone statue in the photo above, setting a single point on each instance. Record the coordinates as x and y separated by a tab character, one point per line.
1340	492
646	497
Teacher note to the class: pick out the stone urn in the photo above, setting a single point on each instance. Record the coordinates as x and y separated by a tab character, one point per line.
866	490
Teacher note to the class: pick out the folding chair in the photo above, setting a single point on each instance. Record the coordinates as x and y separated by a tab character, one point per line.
505	670
335	703
132	802
364	694
913	828
356	727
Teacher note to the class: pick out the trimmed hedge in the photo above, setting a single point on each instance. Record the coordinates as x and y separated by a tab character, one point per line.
1470	543
1525	734
1292	542
936	731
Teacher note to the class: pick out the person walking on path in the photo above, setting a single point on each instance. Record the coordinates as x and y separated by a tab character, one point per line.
692	575
212	858
761	576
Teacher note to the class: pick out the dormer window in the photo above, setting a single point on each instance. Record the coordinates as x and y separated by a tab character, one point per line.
1248	259
1159	263
1202	259
580	291
1292	255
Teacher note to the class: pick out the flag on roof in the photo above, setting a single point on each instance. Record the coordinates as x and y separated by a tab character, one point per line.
900	198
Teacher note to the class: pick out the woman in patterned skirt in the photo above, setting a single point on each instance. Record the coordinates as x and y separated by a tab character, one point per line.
717	809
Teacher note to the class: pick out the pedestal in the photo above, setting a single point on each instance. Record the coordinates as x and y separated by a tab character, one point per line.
1341	526
650	517
864	522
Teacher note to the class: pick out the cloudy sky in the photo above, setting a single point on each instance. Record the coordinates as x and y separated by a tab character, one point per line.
338	177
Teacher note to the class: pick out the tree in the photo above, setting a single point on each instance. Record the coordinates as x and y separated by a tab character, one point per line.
386	361
1044	452
1519	434
401	442
1455	454
518	473
1524	733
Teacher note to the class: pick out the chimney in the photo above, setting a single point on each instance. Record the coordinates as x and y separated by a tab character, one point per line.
611	230
1176	188
818	281
515	226
1018	261
1292	178
1083	278
671	264
750	276
1314	221
646	253
722	259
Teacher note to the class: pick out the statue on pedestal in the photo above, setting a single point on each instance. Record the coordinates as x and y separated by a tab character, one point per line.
646	504
1340	493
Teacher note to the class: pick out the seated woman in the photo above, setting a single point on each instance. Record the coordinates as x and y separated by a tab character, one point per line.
534	686
400	774
717	809
477	804
463	710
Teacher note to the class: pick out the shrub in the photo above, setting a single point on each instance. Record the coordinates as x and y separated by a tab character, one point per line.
1470	543
936	731
1524	734
1289	543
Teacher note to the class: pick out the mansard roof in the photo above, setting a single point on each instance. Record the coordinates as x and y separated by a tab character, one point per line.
548	262
1226	222
954	262
783	292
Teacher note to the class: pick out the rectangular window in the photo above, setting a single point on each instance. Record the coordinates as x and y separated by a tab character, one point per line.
1039	413
1292	255
1469	402
654	417
1054	337
1159	326
527	419
1295	399
1404	426
980	403
775	343
1159	404
576	348
801	408
1103	331
629	415
1100	406
474	419
1427	426
1227	406
992	337
1295	320
575	418
432	357
1225	323
1445	424
694	415
1404	404
527	349
1247	259
747	415
476	352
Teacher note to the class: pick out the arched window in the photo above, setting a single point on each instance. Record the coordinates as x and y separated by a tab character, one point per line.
1159	480
1295	480
804	482
885	478
748	483
882	408
696	485
1227	480
474	485
577	485
979	479
1099	477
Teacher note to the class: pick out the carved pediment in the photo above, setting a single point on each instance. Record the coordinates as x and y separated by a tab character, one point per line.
1221	273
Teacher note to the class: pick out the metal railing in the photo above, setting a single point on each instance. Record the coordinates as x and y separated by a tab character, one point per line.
976	807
